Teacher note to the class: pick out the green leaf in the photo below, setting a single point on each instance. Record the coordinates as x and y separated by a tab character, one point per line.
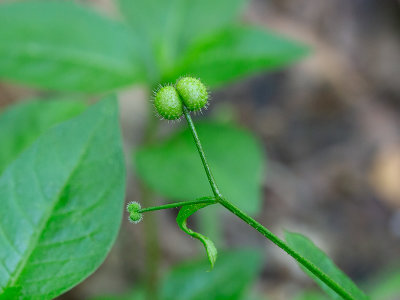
307	249
236	53
11	293
184	213
386	286
22	123
61	204
170	26
233	273
64	46
173	167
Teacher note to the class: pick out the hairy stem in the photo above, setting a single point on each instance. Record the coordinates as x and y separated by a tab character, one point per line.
256	225
209	200
210	177
285	247
209	221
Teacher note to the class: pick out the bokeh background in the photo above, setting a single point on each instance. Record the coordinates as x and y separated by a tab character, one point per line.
330	126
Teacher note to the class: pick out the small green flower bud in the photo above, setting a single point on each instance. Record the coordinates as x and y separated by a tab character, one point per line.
133	209
193	93
168	103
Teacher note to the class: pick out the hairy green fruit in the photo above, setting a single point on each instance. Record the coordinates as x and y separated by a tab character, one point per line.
193	93
135	216
168	103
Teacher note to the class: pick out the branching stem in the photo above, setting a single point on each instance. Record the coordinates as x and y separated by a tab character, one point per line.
256	225
218	198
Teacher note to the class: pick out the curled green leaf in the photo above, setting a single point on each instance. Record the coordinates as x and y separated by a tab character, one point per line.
184	213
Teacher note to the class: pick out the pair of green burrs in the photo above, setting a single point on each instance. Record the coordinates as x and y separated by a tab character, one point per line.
188	91
134	210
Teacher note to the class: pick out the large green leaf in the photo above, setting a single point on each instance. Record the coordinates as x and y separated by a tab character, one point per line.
237	52
174	169
22	123
170	26
233	273
184	213
307	249
61	45
61	205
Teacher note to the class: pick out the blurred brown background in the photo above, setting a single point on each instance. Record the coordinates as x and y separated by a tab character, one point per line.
330	126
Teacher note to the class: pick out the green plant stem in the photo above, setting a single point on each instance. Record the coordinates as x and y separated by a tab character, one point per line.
256	225
210	177
281	244
179	204
209	221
